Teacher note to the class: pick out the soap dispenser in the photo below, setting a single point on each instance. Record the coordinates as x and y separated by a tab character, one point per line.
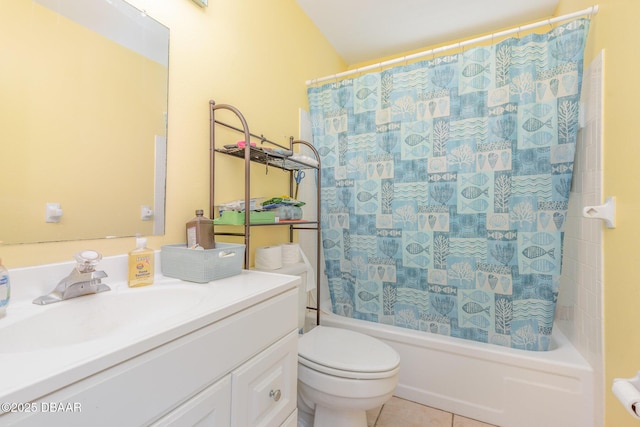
5	290
141	263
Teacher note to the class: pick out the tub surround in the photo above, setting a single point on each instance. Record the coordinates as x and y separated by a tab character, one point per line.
190	335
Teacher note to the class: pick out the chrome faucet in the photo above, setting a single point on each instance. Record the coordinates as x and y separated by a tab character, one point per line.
83	280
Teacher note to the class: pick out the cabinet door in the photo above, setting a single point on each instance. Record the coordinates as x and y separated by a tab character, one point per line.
264	389
292	421
211	408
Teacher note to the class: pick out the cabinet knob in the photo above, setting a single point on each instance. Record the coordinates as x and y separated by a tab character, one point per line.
275	394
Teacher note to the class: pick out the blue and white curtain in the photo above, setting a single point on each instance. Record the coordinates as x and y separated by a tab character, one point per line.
445	187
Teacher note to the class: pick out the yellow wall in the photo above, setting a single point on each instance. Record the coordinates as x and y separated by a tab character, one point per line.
615	29
255	55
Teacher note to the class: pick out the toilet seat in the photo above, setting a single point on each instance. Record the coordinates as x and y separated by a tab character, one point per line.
347	354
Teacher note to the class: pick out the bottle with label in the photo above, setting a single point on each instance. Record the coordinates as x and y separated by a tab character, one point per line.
5	289
141	263
200	232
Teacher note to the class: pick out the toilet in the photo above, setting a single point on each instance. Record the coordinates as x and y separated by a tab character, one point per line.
341	373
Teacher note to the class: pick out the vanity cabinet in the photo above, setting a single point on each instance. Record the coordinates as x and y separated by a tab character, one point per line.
240	370
261	392
210	407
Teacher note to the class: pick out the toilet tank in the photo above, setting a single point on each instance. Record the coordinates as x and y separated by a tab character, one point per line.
301	270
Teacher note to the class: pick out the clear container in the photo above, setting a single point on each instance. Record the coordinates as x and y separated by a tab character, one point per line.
5	289
200	232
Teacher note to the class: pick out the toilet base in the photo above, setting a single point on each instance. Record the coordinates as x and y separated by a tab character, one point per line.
325	417
305	413
305	419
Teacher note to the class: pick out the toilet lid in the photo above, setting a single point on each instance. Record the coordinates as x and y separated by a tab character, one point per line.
346	353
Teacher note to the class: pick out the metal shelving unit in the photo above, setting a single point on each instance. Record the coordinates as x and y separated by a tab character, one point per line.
270	158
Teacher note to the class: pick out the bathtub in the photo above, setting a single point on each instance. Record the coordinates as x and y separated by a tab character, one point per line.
501	386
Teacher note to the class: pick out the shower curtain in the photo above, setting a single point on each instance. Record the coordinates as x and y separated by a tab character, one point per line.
445	187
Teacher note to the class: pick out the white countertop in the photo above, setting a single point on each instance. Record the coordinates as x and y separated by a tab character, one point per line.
28	372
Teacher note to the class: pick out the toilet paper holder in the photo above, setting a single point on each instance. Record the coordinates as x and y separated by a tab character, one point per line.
606	212
627	390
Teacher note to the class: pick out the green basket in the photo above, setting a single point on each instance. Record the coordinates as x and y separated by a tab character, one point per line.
237	218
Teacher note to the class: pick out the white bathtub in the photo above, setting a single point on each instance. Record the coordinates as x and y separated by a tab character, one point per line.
496	385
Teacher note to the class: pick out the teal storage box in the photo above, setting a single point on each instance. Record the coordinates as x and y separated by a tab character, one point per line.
202	266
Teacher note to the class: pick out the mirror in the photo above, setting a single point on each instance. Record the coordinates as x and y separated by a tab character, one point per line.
84	87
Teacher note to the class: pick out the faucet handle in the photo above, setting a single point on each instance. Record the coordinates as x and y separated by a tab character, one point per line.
87	260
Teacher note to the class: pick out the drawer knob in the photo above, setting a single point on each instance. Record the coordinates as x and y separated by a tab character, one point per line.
275	394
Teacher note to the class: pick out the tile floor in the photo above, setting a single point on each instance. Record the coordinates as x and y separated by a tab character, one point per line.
404	413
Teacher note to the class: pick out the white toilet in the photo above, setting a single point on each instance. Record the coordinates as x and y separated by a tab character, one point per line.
341	375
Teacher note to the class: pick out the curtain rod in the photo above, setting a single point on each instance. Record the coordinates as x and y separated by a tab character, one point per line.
588	11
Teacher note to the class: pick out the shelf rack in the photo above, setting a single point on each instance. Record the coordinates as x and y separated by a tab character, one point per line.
269	158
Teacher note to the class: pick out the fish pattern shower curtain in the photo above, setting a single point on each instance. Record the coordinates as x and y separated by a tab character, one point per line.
445	187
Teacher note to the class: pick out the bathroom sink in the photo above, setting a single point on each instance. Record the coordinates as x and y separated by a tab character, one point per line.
93	317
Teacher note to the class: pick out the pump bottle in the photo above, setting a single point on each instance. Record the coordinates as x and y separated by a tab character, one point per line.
141	264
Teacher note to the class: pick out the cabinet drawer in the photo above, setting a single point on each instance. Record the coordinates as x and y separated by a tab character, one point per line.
210	407
264	389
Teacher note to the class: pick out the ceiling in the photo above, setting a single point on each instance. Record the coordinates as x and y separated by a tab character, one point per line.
367	30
